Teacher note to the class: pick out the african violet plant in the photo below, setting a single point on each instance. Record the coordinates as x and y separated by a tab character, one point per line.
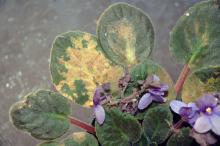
133	98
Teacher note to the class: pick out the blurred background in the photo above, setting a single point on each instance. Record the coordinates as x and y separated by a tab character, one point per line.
27	30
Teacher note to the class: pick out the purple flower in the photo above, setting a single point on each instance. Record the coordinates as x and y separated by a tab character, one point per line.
209	118
99	96
188	112
154	93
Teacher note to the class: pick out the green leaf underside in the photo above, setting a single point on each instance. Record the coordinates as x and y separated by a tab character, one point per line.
43	114
119	129
78	66
195	40
144	69
201	82
181	138
126	34
77	139
157	123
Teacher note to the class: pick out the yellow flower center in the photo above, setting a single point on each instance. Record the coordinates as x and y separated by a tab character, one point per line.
208	110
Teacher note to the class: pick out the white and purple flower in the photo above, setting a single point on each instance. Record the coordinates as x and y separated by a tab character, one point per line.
99	96
204	115
154	93
209	118
188	112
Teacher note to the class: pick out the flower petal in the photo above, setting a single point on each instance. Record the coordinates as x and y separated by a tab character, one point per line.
158	98
202	124
156	91
193	118
156	78
215	121
164	87
207	100
145	100
176	105
193	106
106	86
99	114
97	95
186	112
217	110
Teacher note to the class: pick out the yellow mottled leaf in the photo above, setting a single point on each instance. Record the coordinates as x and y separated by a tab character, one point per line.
78	67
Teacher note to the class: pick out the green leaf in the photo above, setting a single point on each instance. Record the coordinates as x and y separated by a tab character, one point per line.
119	129
78	66
49	143
144	69
203	81
141	114
144	142
43	114
126	34
76	139
157	123
195	39
181	138
81	139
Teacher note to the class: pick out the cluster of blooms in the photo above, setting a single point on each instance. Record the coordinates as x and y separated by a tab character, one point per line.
203	115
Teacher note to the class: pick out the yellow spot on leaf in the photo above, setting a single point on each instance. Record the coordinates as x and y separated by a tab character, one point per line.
79	136
212	85
87	37
205	39
205	35
88	103
126	32
77	42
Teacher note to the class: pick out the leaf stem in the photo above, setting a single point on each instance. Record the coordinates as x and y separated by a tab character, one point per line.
89	128
178	124
184	73
175	127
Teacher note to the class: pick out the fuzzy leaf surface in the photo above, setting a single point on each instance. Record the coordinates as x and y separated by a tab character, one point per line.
119	129
195	39
181	138
157	123
126	34
43	114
